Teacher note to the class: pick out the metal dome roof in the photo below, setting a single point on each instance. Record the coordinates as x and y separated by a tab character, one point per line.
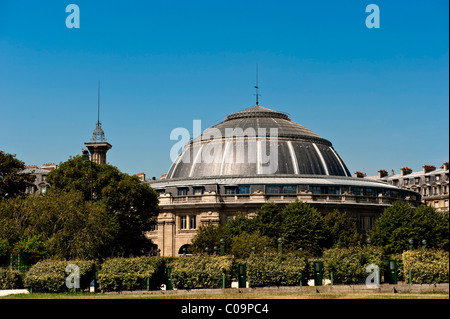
299	150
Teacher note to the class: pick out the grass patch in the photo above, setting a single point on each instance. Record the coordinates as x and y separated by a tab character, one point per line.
257	295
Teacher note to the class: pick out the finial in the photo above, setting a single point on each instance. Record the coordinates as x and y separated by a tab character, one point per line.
98	135
98	106
256	86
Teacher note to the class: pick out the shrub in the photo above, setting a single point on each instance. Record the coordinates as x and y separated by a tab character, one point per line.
201	271
10	279
272	269
349	264
50	275
4	254
131	273
427	266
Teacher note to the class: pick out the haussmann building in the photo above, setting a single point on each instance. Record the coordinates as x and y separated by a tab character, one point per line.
214	179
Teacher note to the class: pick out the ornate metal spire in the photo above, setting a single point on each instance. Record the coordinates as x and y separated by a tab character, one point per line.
98	136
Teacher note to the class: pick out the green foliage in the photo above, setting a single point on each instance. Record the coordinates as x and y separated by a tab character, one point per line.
427	266
402	222
340	231
32	248
298	224
12	182
240	224
201	271
269	220
349	264
4	251
50	275
272	269
131	203
10	279
209	236
302	227
242	245
131	273
60	223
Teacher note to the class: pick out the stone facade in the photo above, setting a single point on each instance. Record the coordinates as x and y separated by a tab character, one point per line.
431	183
182	215
40	185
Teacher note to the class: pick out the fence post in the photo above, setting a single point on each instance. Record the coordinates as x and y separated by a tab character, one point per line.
331	278
410	277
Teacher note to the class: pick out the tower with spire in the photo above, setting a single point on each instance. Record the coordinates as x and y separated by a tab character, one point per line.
98	146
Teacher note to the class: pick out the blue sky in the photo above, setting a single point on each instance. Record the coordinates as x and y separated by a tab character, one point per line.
379	95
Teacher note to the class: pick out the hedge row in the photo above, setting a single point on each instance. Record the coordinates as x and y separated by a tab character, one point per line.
136	273
201	271
50	275
348	265
276	270
426	266
10	279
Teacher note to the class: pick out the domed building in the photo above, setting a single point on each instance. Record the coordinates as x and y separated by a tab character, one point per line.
253	157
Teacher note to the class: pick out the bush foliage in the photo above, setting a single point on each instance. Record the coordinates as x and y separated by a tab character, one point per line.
10	279
427	266
272	269
349	264
50	275
201	271
131	273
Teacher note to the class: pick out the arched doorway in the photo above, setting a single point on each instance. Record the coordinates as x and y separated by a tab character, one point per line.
153	251
185	249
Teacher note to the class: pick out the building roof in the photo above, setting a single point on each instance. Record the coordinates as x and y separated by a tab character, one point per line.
273	179
32	170
237	149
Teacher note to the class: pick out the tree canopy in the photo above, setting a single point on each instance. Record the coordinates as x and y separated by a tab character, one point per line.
63	223
66	223
402	222
299	225
132	203
12	182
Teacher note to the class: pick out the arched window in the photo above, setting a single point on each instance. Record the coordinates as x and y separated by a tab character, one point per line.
182	250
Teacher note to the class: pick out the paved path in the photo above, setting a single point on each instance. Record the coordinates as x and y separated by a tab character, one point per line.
6	292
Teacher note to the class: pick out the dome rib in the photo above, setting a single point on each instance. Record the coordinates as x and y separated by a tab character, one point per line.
299	150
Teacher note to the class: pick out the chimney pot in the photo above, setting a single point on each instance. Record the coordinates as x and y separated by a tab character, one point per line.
405	171
382	173
428	168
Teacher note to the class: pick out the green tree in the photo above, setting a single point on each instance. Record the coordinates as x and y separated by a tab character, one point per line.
402	222
132	203
66	225
302	226
269	220
242	223
340	231
12	182
242	245
209	236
